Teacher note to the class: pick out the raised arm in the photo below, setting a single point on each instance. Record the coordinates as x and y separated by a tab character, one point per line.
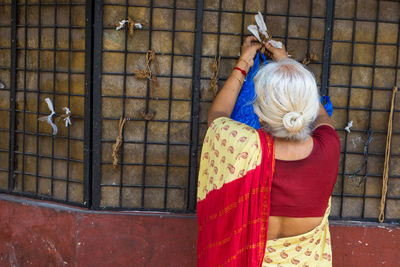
225	100
323	118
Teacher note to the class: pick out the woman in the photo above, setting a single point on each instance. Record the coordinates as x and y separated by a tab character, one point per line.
264	195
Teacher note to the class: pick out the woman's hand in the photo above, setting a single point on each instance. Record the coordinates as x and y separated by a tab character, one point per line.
276	53
249	50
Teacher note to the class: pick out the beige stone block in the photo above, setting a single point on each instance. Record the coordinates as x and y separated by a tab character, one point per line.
180	110
6	32
164	64
277	25
109	129
375	165
378	144
186	3
113	40
353	185
179	132
366	9
138	88
211	4
153	198
384	77
277	7
4	160
157	131
77	61
162	3
29	183
184	43
229	45
162	18
76	149
4	140
5	14
183	66
394	166
395	147
338	96
382	99
109	196
342	30
161	90
393	187
162	42
59	168
161	109
155	176
352	207
156	154
47	81
60	147
78	130
204	107
77	16
341	53
109	175
379	120
363	54
337	189
106	149
132	175
44	167
359	118
339	118
365	31
319	8
371	209
387	33
63	15
76	171
44	186
185	20
176	199
360	98
373	186
362	76
131	197
344	8
47	15
30	122
232	5
62	39
182	88
140	41
300	7
112	62
111	107
60	190
254	6
178	176
4	102
209	44
3	179
133	153
231	22
206	68
202	132
335	206
318	29
386	55
112	85
356	141
179	155
353	162
134	131
389	10
210	21
392	209
298	27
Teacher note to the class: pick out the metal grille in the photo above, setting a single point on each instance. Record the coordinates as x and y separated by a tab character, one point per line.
357	43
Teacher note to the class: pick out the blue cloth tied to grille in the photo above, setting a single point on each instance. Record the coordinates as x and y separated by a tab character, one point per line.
244	111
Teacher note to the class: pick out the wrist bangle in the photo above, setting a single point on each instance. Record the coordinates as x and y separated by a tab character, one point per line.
242	71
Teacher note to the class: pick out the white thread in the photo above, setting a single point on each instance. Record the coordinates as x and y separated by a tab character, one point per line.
349	125
67	119
48	119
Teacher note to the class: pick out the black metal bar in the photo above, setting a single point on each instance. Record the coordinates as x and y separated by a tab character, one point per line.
194	136
96	100
330	8
88	120
24	117
13	84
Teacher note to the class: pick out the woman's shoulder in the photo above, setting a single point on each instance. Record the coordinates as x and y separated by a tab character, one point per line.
327	136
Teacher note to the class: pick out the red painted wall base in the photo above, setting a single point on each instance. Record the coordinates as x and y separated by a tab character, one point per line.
39	233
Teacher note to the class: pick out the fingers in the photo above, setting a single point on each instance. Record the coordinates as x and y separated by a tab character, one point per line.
249	39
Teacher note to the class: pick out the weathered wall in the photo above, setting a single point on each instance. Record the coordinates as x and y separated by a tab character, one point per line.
36	233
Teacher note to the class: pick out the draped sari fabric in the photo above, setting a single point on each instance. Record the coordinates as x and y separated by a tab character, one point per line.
236	170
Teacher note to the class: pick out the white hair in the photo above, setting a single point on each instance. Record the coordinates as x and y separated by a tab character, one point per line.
287	99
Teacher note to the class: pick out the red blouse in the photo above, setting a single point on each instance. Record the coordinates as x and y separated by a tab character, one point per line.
301	188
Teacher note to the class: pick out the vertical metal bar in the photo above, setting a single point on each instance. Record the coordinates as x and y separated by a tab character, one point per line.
169	106
13	84
24	118
287	22
38	98
309	28
97	68
146	123
69	96
370	105
89	62
330	8
194	135
348	107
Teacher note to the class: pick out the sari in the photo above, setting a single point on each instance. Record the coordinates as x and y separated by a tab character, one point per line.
233	204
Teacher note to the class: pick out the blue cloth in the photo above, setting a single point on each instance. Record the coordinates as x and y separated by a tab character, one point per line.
244	111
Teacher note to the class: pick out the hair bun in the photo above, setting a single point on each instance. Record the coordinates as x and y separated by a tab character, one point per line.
293	121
